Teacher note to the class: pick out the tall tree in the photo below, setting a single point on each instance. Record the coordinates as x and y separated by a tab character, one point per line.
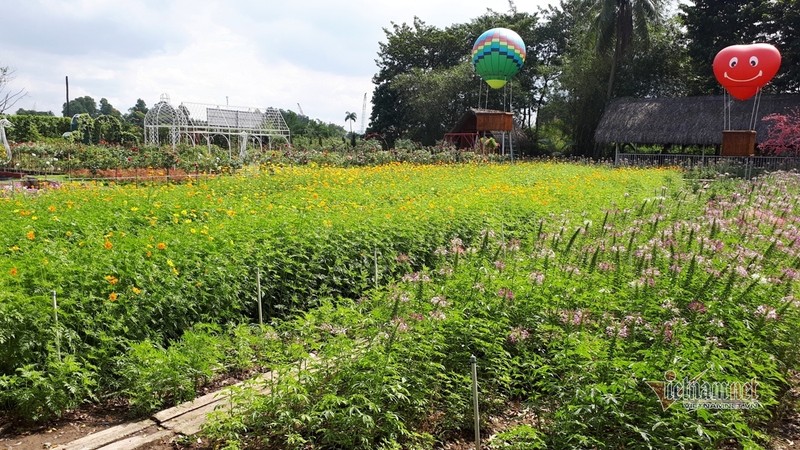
658	69
81	105
616	23
712	25
785	36
107	110
437	98
351	117
407	47
550	45
136	113
8	96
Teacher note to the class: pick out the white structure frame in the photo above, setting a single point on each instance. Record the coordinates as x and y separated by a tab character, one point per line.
195	122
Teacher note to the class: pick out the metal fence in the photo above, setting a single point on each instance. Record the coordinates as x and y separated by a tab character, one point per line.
744	166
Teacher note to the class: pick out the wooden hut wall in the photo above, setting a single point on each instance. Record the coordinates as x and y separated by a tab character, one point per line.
495	121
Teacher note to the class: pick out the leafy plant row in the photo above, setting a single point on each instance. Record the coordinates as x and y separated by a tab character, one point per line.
115	161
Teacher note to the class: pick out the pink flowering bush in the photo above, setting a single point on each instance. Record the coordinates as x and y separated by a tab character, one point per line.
783	135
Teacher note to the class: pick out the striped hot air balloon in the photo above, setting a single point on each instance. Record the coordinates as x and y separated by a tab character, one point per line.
497	55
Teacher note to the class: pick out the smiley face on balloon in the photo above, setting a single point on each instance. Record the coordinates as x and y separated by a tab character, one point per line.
744	69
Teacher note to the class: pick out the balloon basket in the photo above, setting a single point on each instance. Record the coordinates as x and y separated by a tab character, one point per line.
738	143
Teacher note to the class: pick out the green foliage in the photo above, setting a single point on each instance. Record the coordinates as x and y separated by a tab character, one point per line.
519	437
31	112
306	131
43	392
32	128
712	25
136	113
80	105
151	375
107	128
641	67
107	110
436	99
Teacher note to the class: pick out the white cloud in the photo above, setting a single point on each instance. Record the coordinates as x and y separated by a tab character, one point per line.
256	53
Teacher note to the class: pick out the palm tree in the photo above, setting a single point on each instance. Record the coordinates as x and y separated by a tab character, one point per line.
351	117
617	22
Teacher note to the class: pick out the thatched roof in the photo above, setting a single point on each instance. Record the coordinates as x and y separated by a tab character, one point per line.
685	121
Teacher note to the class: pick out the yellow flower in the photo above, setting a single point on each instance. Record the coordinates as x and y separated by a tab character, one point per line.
113	296
13	272
108	245
31	235
161	246
51	208
136	290
111	279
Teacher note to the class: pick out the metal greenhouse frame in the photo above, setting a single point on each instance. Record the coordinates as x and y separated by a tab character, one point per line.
195	122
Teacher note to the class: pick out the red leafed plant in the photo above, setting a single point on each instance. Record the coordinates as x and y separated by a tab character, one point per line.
783	135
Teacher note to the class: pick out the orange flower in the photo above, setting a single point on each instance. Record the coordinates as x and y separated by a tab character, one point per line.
161	246
113	296
13	272
31	235
108	245
111	279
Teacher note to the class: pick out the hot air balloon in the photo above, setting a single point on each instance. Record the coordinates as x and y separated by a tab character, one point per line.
497	55
744	69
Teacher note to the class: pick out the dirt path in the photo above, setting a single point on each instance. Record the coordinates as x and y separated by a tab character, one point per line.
110	428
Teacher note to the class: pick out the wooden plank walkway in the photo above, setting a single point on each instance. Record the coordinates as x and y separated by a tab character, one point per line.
181	420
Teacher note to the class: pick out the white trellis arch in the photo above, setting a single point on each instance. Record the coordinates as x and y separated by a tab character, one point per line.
164	122
197	122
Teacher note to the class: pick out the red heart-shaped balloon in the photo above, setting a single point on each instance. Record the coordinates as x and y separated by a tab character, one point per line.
744	69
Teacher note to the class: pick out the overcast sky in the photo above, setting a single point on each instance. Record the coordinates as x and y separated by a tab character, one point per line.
318	53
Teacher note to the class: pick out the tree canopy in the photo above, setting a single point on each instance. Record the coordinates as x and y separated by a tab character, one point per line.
80	105
581	54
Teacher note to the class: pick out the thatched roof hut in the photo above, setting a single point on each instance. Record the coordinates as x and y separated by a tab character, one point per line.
686	120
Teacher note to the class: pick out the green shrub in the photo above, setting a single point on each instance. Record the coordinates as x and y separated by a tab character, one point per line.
39	393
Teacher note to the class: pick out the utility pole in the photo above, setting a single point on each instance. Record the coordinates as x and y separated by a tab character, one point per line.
67	81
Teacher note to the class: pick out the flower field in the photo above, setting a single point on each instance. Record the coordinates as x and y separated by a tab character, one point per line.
582	325
150	281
